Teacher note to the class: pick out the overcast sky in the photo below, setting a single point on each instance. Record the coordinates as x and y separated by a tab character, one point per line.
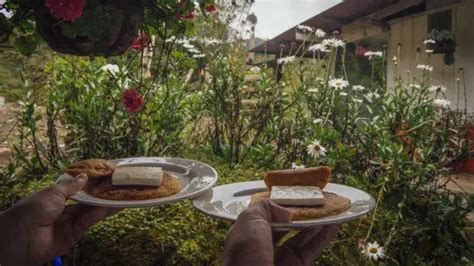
276	16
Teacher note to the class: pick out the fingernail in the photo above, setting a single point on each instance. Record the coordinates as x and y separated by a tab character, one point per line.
81	177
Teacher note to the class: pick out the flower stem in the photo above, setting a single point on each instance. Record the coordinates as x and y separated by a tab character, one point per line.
379	198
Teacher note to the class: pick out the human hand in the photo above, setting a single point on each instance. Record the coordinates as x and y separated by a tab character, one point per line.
41	226
306	246
251	241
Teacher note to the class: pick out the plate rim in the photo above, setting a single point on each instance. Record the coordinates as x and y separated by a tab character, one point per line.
293	224
148	202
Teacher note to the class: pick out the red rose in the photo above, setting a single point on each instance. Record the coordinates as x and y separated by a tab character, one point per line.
183	11
140	42
132	100
68	10
190	15
211	8
360	51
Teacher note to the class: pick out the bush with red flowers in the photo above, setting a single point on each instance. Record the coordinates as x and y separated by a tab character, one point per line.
140	42
66	9
185	10
132	100
211	8
92	27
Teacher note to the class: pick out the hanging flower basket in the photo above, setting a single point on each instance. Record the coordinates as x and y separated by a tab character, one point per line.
105	27
442	42
444	47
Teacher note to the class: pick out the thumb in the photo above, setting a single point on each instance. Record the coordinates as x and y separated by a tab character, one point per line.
72	186
278	213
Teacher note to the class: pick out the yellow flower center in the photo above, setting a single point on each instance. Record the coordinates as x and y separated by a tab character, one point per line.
373	250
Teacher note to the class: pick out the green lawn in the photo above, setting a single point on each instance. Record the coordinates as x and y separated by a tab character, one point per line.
13	64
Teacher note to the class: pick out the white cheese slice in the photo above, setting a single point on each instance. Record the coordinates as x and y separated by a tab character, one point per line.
137	175
297	195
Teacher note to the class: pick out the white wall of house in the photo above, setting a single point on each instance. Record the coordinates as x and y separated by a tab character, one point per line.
410	33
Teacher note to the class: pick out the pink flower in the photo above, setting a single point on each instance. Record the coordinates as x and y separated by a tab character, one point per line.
211	8
68	10
360	51
132	100
140	42
183	11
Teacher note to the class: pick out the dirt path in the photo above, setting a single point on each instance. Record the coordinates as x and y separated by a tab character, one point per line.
8	131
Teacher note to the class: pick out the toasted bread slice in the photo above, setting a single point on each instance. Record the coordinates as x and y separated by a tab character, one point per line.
315	176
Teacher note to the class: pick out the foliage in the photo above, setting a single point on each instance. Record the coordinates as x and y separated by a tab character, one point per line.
444	42
90	21
202	102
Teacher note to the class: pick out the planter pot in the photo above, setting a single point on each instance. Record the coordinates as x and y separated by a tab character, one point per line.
125	20
444	47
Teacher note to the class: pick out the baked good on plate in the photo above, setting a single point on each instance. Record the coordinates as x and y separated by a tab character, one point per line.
93	168
125	182
105	189
300	191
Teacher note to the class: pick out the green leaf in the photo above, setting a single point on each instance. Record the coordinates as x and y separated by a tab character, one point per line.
26	45
93	23
5	27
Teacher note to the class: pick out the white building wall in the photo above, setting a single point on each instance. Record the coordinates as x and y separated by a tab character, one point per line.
410	33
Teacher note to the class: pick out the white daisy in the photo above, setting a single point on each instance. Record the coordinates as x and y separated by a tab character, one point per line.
358	87
441	103
343	93
373	251
425	68
415	86
211	41
436	88
372	96
316	150
199	55
429	41
111	68
356	100
372	54
188	46
313	90
305	28
318	47
255	69
287	59
320	33
297	166
338	83
333	42
317	121
171	39
319	79
429	51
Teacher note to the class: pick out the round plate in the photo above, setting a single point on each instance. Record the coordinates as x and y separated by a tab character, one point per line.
195	178
227	201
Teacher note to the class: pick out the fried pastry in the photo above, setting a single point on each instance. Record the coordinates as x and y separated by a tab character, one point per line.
93	168
105	189
333	205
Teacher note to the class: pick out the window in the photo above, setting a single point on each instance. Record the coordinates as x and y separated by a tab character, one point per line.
440	21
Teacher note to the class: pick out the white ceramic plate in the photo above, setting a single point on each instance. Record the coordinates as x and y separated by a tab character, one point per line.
195	178
227	201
